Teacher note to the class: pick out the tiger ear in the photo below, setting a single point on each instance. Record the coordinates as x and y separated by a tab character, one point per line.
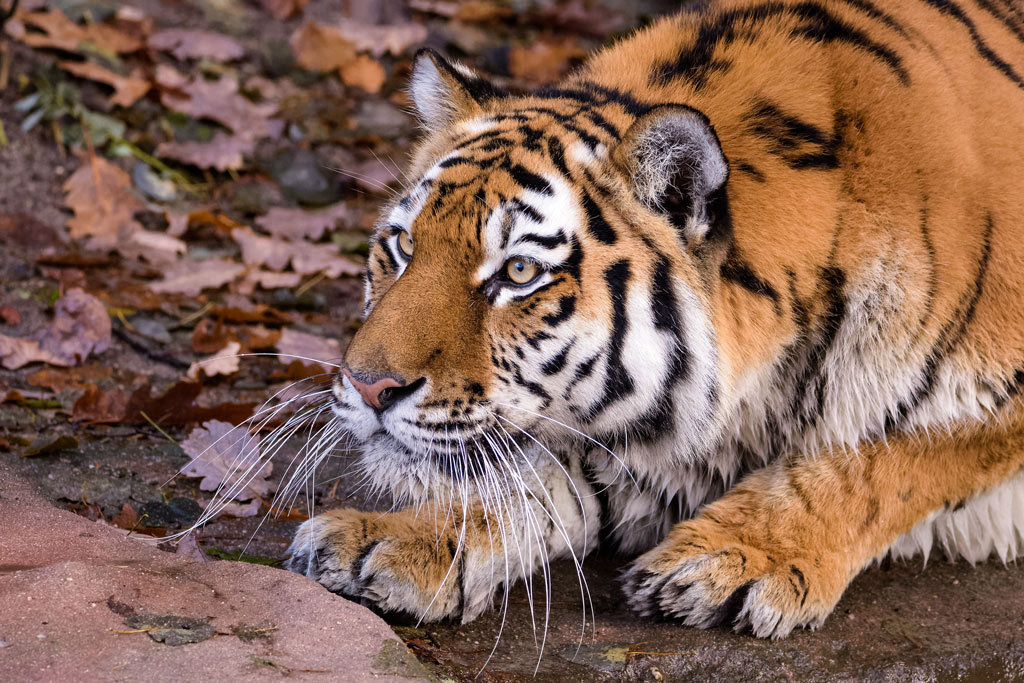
676	165
444	91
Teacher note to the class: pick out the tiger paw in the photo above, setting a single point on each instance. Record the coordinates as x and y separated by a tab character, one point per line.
708	580
391	562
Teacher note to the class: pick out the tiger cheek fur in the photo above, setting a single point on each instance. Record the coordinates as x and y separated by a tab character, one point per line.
743	292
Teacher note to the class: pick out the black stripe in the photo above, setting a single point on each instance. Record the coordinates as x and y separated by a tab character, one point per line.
557	153
528	179
949	337
735	269
697	62
546	241
566	307
800	144
950	8
596	222
617	383
555	365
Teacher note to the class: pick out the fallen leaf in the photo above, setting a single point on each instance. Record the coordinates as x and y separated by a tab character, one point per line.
80	326
228	460
301	224
59	381
308	348
95	406
250	509
219	101
258	313
188	547
364	72
321	48
224	362
380	39
543	61
267	279
224	152
46	445
157	248
282	9
127	518
99	193
192	277
305	258
197	44
9	316
63	34
177	406
127	89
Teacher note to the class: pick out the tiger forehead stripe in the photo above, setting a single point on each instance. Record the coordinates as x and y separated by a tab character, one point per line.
535	224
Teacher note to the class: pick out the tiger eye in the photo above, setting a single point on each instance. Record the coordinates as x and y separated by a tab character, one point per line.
520	271
405	243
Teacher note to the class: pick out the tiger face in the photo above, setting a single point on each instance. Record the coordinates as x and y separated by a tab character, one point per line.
515	298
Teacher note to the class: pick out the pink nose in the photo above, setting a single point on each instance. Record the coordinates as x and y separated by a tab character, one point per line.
371	393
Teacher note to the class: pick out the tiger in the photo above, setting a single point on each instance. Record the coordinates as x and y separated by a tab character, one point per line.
739	297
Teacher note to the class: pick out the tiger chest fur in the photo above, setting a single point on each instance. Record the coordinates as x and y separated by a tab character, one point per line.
743	293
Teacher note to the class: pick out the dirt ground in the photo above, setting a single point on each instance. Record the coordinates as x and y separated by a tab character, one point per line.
895	623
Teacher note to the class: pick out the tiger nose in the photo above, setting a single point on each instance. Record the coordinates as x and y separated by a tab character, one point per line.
383	393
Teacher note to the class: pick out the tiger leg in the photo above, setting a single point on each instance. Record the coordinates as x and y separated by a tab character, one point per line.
442	559
778	550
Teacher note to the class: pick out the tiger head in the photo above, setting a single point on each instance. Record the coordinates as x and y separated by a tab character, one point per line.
544	277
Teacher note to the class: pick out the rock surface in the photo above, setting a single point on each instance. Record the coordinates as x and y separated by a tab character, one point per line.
80	601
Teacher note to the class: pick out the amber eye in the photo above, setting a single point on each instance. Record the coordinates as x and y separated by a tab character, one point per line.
405	243
520	271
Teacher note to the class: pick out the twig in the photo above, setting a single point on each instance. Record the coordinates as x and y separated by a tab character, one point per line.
5	64
155	426
136	630
195	316
302	289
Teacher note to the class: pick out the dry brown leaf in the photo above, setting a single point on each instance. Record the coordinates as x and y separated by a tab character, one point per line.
192	277
9	316
59	381
197	44
224	152
96	406
127	518
224	362
176	406
228	460
305	258
321	48
188	547
157	248
543	61
127	89
308	348
63	34
99	193
19	351
219	101
299	224
80	326
381	39
364	72
282	9
266	279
